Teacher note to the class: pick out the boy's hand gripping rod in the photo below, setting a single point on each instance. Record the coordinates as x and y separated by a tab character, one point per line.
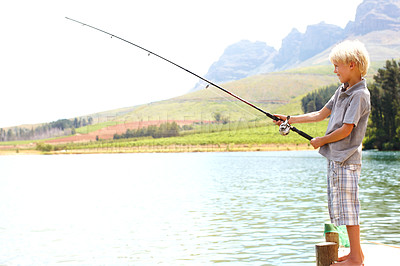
284	128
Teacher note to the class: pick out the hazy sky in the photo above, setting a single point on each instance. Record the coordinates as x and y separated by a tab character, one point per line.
52	68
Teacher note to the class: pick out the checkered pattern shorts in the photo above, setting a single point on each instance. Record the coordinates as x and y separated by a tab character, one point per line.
343	202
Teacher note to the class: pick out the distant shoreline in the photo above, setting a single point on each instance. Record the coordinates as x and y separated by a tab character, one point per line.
168	149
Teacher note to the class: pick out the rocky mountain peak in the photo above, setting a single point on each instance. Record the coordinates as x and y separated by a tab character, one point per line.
239	60
374	15
297	46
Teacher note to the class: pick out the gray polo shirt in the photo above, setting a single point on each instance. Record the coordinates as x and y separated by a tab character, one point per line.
351	106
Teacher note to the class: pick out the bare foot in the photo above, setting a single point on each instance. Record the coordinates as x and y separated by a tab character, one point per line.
350	261
345	257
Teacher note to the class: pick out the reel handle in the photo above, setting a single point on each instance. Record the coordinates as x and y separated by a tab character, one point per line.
284	128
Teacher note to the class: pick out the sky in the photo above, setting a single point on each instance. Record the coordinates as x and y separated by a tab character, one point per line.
52	68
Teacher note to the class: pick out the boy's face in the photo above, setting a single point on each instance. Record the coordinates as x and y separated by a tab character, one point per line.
343	71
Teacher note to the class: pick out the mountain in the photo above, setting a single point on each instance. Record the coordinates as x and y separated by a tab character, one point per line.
375	15
297	47
239	60
244	58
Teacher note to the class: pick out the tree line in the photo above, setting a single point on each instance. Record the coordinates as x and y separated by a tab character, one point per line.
315	100
383	131
61	127
165	130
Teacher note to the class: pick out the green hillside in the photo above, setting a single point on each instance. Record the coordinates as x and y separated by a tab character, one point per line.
268	91
229	137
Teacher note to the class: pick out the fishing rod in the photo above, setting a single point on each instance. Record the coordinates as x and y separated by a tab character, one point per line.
284	128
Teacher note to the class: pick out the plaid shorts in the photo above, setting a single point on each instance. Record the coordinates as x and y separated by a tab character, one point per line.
343	202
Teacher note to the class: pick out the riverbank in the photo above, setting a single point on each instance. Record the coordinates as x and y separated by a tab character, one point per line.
165	149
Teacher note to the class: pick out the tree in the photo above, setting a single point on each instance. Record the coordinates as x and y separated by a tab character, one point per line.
10	135
315	100
384	131
311	106
217	117
83	122
76	123
163	131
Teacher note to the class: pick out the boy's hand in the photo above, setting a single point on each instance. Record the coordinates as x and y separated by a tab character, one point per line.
317	142
336	135
283	117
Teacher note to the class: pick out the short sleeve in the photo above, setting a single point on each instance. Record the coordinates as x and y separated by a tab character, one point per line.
329	104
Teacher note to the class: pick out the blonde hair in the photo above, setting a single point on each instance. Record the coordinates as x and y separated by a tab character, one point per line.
351	51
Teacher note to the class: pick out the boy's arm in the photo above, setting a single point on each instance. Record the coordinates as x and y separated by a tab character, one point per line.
336	135
306	118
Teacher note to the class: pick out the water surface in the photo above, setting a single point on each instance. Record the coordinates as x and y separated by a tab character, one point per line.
259	208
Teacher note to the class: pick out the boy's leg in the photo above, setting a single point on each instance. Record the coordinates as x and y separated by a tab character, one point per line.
355	243
346	207
343	202
356	256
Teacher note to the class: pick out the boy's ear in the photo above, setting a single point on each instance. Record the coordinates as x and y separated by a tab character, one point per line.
352	65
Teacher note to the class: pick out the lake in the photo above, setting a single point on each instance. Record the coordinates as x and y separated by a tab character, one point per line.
255	208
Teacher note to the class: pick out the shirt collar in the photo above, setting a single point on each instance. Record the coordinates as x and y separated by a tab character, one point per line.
356	87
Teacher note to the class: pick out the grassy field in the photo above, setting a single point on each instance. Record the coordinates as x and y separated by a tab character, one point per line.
253	132
246	136
92	128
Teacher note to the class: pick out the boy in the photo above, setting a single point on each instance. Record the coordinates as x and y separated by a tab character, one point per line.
349	108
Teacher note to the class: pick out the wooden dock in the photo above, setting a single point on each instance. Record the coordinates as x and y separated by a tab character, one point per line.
377	254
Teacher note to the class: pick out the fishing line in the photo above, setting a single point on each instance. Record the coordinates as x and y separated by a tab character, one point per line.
284	128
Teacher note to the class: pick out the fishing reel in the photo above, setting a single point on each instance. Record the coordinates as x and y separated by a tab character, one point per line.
284	128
